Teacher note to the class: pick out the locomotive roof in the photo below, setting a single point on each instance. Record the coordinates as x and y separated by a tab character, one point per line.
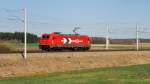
59	33
69	34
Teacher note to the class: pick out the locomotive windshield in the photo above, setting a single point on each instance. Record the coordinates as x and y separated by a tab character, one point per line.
45	37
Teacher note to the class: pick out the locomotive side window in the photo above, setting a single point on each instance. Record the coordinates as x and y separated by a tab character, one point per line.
45	37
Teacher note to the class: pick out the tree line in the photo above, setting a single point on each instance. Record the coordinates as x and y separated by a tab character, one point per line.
19	36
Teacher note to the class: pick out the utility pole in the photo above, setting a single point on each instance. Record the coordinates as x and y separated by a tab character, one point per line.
107	38
137	37
25	33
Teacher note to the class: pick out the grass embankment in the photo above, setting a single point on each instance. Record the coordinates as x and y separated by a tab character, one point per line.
139	74
142	46
12	45
4	46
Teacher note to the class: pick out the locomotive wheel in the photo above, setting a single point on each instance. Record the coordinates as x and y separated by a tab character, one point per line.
58	49
87	48
74	49
84	48
80	48
45	48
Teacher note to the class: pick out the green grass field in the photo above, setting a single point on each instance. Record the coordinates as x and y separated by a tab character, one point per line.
139	74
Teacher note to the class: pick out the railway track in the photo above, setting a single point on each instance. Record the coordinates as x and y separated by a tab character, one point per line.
57	51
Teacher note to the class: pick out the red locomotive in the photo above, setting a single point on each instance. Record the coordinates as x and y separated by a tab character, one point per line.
58	41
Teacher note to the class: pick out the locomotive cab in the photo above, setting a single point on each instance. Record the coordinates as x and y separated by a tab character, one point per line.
45	42
45	37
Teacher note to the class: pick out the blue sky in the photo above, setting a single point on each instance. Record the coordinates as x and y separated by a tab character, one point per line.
46	16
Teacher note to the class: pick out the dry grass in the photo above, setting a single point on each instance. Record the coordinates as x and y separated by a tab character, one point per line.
40	63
